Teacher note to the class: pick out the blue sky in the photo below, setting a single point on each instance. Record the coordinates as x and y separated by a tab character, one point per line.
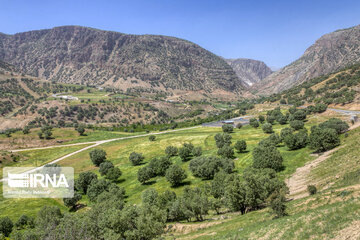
276	32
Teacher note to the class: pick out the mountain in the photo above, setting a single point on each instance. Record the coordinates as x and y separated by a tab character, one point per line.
74	54
249	71
329	53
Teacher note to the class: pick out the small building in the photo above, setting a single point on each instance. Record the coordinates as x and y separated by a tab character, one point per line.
228	122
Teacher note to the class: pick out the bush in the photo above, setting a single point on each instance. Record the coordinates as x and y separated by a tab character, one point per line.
297	124
323	139
254	123
185	153
71	202
319	108
171	151
81	130
270	119
239	125
275	139
240	146
222	139
84	180
277	203
227	128
311	189
136	158
267	128
338	125
144	174
296	141
206	167
226	151
267	157
6	226
97	156
175	175
282	119
105	167
96	188
152	138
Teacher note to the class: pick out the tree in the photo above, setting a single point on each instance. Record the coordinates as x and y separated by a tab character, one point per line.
240	146
217	185
285	132
300	114
6	226
297	124
81	129
136	158
227	128
171	151
175	175
235	195
261	119
71	202
206	166
25	221
48	218
254	123
160	165
311	189
152	138
270	119
144	174
323	139
338	125
239	126
96	188
26	130
267	128
105	167
149	197
222	139
84	180
277	203
47	134
113	174
282	119
195	203
296	141
97	156
197	151
185	153
267	157
226	152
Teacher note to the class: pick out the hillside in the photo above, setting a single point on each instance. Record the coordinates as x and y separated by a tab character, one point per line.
339	89
329	53
74	54
249	71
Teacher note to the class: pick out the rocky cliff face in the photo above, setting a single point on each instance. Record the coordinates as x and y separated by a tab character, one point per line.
249	71
73	54
330	53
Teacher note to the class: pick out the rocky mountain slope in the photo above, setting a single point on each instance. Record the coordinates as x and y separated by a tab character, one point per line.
330	53
249	71
73	54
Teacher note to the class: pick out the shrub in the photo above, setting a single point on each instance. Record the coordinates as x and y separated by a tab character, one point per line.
175	175
275	139
240	146
171	151
26	130
323	139
311	189
81	130
113	174
227	128
71	202
84	180
136	158
239	125
185	153
97	156
270	119
300	114
261	119
282	119
319	108
152	138
284	132
160	165
197	151
267	157
277	203
267	128
297	124
296	141
96	188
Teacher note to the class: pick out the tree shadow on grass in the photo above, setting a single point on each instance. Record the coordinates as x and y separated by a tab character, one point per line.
77	207
119	181
185	183
148	183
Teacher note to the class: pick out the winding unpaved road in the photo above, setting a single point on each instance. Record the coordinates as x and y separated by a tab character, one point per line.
299	181
96	143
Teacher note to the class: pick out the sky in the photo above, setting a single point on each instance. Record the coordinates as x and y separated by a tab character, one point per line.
276	32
